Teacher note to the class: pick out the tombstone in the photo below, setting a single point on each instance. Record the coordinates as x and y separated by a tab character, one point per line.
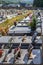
30	48
19	53
23	38
10	50
2	46
34	37
38	13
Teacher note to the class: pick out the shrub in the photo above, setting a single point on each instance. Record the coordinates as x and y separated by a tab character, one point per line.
33	23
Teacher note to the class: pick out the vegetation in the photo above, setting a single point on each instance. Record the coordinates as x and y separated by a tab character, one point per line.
17	18
9	22
38	3
33	23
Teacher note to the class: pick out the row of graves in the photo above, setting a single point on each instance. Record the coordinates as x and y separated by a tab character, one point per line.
22	46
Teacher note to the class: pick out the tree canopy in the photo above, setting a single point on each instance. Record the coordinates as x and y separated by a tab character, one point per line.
38	3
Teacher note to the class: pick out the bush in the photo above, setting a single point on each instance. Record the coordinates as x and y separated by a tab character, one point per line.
33	24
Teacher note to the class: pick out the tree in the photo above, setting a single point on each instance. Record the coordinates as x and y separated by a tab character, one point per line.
38	3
